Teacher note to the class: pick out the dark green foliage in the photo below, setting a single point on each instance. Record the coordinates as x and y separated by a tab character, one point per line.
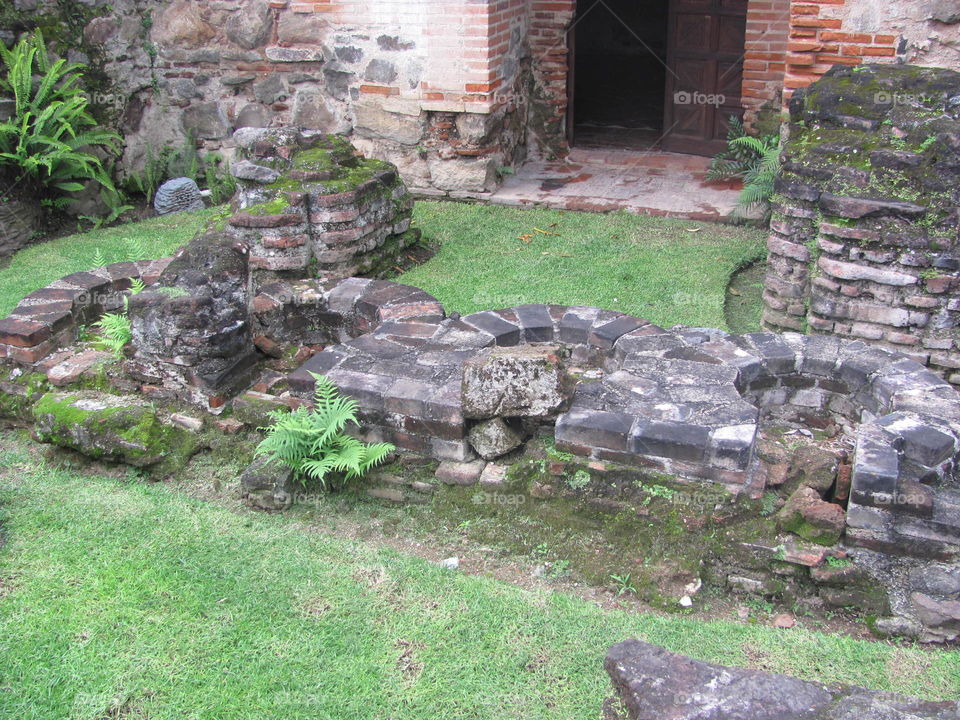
209	171
755	160
45	145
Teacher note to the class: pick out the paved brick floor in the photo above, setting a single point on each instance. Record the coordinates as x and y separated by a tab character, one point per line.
651	183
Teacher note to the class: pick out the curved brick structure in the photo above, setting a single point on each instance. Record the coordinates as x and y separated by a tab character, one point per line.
863	239
686	402
47	319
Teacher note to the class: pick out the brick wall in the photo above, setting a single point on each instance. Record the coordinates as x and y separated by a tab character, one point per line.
863	241
764	64
824	33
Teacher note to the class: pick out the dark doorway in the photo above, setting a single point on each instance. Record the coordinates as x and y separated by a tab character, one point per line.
655	74
619	73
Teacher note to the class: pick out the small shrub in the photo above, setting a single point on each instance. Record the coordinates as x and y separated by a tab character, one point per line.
115	332
312	442
580	479
116	329
209	171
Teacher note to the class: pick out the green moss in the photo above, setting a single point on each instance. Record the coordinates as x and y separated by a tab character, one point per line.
277	206
112	428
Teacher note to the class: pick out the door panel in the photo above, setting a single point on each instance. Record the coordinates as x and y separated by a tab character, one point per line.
705	48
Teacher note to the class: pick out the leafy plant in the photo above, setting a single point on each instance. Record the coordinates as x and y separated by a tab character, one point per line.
580	479
116	329
47	143
623	584
115	332
209	171
312	441
755	160
218	179
759	180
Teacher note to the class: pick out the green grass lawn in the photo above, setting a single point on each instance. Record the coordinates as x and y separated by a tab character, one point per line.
668	271
127	600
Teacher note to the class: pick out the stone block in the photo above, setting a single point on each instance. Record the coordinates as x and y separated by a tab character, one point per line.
525	381
493	438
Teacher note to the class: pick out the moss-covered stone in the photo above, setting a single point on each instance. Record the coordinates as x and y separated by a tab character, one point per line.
118	428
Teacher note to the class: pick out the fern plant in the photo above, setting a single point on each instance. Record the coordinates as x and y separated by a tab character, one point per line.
737	159
116	329
312	441
758	181
45	143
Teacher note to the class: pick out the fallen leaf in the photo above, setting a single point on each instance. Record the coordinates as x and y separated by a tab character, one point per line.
733	291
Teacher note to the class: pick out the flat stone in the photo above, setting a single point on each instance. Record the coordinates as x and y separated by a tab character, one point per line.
69	371
267	485
654	683
460	473
808	516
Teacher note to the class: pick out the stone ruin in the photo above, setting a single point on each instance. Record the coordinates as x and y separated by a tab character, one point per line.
864	237
309	206
245	314
651	682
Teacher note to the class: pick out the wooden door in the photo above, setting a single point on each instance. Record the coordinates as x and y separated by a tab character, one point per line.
705	48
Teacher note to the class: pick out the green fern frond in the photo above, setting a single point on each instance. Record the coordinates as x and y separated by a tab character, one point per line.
312	441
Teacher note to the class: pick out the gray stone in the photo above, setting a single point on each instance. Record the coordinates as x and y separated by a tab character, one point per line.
654	683
178	195
372	120
939	582
206	121
267	485
19	224
380	71
897	626
940	618
945	11
493	438
120	428
192	327
246	170
310	111
290	54
460	473
524	381
301	29
249	27
270	89
253	115
181	25
464	175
